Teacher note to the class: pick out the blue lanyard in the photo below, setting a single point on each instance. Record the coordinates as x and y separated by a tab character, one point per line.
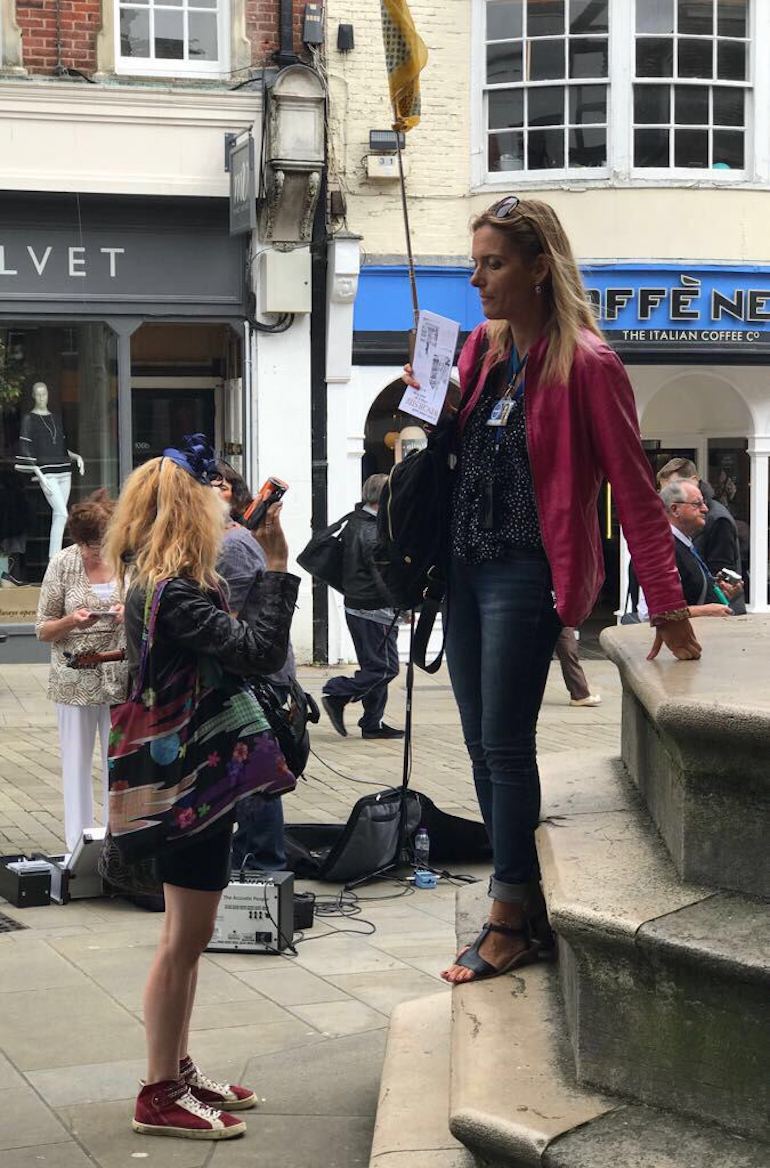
515	366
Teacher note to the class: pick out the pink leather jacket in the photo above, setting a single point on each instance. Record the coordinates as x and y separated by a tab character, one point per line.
578	434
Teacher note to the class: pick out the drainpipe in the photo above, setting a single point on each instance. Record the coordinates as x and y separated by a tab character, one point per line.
318	419
285	54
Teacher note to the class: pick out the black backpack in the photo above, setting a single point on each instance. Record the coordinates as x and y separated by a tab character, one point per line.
412	550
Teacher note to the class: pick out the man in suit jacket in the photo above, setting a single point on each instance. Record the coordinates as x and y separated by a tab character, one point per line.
717	540
686	509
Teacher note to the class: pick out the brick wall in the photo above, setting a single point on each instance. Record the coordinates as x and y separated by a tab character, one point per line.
80	21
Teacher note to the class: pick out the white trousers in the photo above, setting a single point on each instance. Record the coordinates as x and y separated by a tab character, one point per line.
78	726
56	488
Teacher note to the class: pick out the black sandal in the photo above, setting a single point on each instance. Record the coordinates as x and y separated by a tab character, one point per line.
481	968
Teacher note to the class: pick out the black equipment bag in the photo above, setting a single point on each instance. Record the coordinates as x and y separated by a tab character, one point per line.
288	717
368	841
323	556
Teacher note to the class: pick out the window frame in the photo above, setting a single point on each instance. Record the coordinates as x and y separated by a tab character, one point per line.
620	170
200	70
747	87
554	174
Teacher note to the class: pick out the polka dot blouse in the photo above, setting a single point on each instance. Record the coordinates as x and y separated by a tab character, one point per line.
493	505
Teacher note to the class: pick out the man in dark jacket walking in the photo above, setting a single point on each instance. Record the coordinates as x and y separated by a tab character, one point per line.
371	623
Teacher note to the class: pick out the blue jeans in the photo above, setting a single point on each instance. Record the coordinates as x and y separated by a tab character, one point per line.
259	835
502	628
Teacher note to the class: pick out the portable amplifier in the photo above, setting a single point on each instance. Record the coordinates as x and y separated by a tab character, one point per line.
256	913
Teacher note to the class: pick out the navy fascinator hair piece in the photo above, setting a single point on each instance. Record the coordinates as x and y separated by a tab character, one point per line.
195	454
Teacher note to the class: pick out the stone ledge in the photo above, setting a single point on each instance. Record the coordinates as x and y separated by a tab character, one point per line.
535	1115
516	1023
666	985
718	707
412	1125
699	760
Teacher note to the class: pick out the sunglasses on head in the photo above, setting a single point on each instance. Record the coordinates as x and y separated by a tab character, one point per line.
505	207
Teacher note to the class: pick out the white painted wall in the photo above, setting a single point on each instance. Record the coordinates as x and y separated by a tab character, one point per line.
281	446
132	140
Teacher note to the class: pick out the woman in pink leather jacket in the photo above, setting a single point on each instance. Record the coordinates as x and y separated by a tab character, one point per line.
547	413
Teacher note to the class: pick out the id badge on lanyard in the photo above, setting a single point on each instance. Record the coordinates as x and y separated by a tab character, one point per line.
503	407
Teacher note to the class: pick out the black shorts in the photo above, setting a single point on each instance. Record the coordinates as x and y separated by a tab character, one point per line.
202	864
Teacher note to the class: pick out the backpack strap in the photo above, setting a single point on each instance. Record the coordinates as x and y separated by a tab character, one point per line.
429	610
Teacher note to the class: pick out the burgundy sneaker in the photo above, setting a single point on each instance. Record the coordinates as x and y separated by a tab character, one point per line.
169	1108
224	1096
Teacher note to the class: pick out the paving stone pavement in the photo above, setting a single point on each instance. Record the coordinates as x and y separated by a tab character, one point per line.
307	1031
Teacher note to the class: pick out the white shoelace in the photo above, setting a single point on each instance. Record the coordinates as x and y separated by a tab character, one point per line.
202	1110
204	1081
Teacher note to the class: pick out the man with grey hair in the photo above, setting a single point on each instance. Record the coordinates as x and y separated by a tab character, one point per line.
686	511
371	623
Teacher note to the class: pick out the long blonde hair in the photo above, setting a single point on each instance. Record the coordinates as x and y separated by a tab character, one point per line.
533	228
166	524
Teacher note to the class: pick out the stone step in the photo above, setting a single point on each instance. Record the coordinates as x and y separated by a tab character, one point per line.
666	985
515	1103
696	737
412	1125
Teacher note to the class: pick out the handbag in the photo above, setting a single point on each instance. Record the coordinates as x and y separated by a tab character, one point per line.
323	556
183	754
288	709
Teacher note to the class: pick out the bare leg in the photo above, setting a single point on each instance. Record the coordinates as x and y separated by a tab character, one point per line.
170	989
184	1045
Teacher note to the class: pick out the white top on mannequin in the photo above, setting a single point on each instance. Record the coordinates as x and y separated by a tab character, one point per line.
40	408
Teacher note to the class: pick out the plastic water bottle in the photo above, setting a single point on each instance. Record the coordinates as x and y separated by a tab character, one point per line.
422	849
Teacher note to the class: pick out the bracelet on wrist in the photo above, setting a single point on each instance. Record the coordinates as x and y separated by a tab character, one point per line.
674	614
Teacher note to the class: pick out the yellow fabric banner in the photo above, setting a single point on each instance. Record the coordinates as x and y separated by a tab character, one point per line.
405	56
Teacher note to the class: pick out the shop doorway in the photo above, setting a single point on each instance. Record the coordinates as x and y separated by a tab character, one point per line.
184	379
161	416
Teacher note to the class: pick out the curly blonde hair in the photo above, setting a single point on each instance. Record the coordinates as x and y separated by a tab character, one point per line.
533	228
165	524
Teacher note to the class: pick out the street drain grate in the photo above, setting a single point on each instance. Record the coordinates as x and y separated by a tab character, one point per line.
9	925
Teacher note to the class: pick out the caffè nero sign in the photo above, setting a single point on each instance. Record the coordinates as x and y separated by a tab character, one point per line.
661	305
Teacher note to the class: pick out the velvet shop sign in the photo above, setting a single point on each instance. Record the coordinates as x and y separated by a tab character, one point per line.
98	268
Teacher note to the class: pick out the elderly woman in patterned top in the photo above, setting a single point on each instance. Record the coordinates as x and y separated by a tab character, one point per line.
80	612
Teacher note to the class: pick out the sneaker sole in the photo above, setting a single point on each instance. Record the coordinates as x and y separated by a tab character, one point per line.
241	1105
224	1133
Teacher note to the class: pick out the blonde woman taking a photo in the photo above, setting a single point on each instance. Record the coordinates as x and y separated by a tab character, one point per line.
209	746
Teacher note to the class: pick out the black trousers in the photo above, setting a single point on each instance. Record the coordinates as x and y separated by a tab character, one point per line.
377	653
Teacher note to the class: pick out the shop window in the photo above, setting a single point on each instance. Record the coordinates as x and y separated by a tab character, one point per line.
691	78
58	413
172	37
546	81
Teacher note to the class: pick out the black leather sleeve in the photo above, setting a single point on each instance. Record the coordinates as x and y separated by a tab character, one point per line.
190	619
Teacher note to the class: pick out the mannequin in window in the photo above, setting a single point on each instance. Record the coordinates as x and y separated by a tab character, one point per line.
43	452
